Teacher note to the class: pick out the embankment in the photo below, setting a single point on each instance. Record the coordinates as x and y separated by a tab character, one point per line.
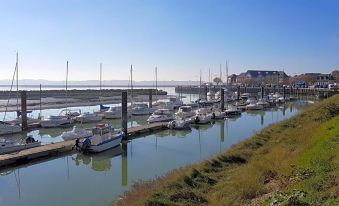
294	162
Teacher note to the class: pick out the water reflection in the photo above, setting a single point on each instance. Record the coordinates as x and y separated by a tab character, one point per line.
99	162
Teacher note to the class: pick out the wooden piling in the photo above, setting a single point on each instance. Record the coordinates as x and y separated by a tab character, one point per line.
124	111
24	110
262	92
222	99
150	99
205	92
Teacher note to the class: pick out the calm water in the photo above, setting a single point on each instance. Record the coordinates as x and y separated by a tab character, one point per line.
99	179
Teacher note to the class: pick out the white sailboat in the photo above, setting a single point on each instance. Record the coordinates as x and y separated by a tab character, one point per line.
203	116
8	128
58	120
88	117
184	112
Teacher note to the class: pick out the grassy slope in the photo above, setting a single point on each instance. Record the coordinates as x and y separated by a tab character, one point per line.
294	162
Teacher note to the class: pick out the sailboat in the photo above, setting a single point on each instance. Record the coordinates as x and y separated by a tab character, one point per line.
58	120
11	127
139	108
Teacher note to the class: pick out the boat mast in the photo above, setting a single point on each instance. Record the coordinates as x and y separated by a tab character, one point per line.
131	83
226	73
100	80
220	73
66	83
156	83
17	81
200	85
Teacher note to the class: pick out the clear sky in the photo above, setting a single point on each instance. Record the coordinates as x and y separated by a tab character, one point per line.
179	36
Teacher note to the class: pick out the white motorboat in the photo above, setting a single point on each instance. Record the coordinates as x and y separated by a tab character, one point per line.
56	121
8	146
88	117
232	112
161	115
217	114
141	109
76	133
9	128
177	102
18	121
113	113
202	116
70	113
185	112
179	124
164	105
263	103
254	106
104	137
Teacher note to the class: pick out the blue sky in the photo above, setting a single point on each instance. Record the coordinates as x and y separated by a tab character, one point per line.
180	37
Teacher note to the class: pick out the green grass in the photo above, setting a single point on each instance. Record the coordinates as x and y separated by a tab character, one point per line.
294	162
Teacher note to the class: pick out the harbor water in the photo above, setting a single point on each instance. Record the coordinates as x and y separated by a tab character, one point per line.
99	179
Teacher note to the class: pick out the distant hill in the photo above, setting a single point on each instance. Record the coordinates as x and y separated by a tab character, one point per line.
29	82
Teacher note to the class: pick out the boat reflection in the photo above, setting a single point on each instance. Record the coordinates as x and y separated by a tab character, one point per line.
100	162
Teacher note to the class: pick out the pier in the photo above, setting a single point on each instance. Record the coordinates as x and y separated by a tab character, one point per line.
55	149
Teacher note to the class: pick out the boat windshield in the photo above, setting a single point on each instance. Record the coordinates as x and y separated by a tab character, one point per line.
102	130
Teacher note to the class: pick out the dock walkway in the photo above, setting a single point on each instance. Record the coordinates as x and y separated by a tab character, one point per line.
59	148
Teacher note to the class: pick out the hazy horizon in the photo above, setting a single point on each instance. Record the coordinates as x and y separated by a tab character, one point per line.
179	37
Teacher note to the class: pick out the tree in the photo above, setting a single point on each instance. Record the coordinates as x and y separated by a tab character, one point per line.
217	80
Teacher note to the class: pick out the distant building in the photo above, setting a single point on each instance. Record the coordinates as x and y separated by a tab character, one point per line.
232	79
259	77
323	80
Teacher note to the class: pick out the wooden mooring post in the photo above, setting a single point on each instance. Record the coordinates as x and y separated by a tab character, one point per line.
124	111
150	99
262	92
24	110
222	99
205	92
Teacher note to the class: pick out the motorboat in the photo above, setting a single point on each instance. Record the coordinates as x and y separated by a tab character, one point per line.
9	128
263	103
56	121
254	106
76	133
164	105
141	109
88	117
179	124
177	102
70	113
113	113
218	114
202	116
8	146
104	137
18	121
245	95
184	112
232	112
161	115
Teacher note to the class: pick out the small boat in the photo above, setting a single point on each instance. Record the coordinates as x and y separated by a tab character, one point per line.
164	105
202	116
232	112
254	106
184	112
76	133
179	124
8	146
104	137
9	128
88	117
113	113
56	121
263	103
161	115
141	109
70	113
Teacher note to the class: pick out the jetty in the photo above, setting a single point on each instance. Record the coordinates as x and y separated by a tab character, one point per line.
55	149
